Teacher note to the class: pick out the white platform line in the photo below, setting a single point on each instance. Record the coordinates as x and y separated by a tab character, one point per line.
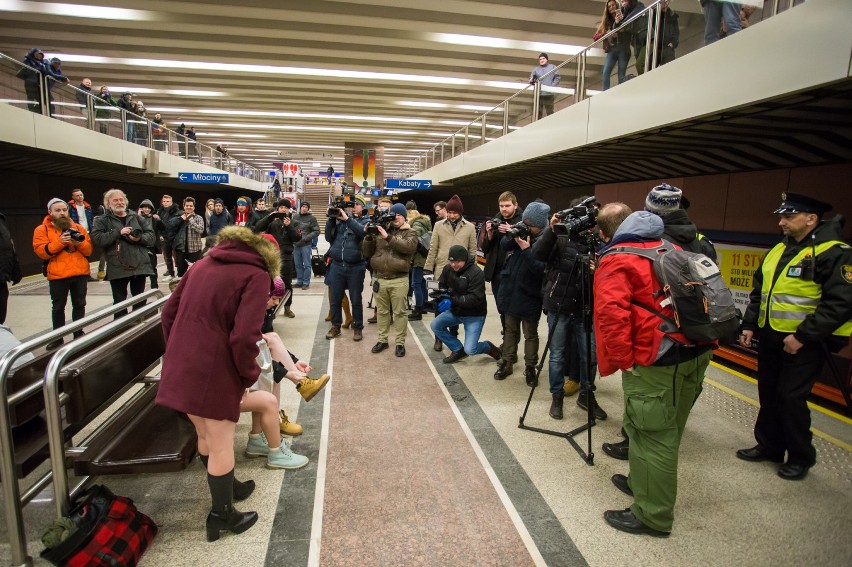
492	476
322	461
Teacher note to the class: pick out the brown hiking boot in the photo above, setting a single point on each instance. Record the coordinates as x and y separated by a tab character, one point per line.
333	332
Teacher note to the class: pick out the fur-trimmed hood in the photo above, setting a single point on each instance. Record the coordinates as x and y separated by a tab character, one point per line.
261	245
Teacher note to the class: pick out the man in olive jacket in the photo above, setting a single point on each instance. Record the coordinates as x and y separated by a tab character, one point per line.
125	239
390	253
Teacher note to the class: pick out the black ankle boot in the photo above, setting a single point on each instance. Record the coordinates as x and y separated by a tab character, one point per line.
223	516
556	405
228	519
416	314
530	376
242	490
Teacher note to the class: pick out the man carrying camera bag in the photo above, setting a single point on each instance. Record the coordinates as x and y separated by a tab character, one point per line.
63	245
125	239
390	249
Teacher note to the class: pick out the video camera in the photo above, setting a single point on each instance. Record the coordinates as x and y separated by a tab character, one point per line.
383	219
578	219
346	199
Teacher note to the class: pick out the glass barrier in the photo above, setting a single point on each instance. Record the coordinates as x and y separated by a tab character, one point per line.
25	87
612	57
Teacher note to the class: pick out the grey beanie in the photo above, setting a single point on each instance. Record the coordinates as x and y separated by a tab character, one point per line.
663	200
537	214
53	202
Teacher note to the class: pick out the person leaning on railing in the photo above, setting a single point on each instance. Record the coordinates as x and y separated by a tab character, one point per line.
34	59
102	111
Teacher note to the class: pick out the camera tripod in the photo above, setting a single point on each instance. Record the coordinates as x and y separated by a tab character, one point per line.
585	280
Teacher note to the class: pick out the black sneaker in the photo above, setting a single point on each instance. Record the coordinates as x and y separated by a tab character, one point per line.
55	344
455	356
618	450
531	376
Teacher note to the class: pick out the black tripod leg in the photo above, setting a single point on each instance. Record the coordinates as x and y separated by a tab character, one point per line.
537	374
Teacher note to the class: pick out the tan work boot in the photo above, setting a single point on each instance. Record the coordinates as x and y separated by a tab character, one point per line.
310	387
287	427
333	332
289	313
101	275
571	387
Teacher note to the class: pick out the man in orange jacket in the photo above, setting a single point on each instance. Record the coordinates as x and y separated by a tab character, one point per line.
63	245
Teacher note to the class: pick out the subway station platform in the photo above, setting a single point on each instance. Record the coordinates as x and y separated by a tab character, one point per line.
417	462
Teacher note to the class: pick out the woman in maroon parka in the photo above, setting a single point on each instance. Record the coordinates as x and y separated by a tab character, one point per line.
211	324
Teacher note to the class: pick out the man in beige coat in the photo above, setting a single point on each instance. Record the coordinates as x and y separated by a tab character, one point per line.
454	230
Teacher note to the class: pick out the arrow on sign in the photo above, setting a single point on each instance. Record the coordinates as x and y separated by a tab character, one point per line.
182	177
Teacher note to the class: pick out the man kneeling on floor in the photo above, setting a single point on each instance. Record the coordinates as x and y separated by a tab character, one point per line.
466	305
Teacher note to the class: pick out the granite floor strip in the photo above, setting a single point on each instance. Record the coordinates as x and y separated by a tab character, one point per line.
554	544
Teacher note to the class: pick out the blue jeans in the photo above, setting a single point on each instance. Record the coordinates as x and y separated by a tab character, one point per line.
418	284
343	276
620	54
714	12
302	258
472	329
568	332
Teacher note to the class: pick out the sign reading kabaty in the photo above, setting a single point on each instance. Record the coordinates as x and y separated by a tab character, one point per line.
408	183
212	178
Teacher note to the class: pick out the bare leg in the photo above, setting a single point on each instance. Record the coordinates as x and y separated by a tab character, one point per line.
265	406
280	354
218	438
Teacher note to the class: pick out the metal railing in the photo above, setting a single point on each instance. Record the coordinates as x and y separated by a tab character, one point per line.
13	500
26	87
523	107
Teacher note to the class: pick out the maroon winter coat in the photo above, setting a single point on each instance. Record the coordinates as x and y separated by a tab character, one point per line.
212	324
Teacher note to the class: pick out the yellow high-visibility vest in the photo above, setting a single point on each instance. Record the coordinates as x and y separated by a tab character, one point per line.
791	299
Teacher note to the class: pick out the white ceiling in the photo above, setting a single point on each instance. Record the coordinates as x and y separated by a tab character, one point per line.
303	77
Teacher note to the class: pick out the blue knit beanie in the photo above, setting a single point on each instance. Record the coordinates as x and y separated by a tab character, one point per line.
399	209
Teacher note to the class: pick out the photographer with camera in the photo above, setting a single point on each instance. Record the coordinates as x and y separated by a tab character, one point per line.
284	229
452	230
187	229
520	297
489	240
344	231
563	247
390	244
125	239
63	245
460	300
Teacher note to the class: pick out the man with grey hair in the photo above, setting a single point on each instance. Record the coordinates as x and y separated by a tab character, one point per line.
125	239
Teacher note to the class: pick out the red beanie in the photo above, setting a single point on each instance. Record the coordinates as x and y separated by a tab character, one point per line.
455	205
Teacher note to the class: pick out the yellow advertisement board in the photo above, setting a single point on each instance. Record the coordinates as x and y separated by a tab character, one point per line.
737	265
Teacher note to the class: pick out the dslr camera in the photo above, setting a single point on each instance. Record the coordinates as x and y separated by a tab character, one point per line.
76	235
384	220
519	230
578	219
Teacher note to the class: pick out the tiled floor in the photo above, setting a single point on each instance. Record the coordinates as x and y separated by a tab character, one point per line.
415	462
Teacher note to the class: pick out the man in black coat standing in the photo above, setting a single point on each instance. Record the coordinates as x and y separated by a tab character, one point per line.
164	214
280	224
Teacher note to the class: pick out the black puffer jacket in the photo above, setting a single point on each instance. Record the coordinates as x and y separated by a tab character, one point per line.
520	291
468	289
562	277
285	235
679	229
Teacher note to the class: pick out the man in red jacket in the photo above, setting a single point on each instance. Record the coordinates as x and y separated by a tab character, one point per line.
63	245
661	374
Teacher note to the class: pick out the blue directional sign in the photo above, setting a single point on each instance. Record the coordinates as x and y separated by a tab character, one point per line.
211	178
408	184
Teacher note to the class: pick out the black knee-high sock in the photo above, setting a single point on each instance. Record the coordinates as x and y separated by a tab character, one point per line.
242	490
221	490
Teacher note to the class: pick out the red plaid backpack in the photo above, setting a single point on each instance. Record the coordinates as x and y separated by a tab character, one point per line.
110	532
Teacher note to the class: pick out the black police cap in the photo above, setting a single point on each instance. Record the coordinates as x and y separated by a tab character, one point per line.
795	203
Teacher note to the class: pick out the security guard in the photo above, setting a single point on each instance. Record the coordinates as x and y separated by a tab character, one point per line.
800	309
